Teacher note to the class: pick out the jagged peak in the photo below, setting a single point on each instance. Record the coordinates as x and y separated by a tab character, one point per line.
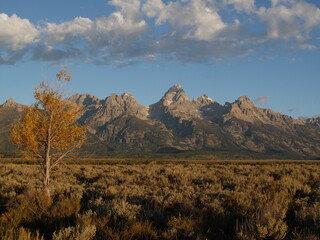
173	91
123	96
128	95
113	96
244	98
173	95
205	97
83	95
126	98
175	88
203	101
9	103
84	99
314	120
244	101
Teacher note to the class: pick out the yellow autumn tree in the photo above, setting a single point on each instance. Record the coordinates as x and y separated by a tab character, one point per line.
47	131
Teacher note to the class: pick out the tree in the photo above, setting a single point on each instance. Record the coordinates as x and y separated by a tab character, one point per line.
47	131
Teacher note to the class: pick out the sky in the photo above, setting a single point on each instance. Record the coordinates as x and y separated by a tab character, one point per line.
265	49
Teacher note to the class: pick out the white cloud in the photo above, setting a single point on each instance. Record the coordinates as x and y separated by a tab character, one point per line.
57	33
12	57
261	100
16	32
126	23
129	8
309	13
153	8
200	18
48	53
276	2
241	5
184	30
290	19
115	27
281	22
305	47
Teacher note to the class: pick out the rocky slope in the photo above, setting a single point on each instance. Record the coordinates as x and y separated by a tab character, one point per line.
10	112
177	123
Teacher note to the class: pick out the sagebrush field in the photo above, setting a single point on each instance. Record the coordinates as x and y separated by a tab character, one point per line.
183	200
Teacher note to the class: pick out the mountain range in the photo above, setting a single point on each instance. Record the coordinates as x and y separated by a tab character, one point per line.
176	123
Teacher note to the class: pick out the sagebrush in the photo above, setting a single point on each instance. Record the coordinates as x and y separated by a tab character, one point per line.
163	201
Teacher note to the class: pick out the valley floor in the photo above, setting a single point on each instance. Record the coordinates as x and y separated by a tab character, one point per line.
144	199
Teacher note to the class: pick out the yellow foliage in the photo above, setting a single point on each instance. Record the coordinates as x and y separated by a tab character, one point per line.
52	120
48	131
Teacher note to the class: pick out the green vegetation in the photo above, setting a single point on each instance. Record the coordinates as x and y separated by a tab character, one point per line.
182	155
172	200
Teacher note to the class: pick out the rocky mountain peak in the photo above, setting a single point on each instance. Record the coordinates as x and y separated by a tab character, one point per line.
175	88
174	104
203	100
244	102
175	94
10	103
315	121
124	98
243	108
84	99
205	96
119	122
127	95
116	105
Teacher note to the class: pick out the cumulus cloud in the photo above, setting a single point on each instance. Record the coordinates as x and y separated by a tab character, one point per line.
102	40
199	17
127	23
16	33
261	100
288	18
12	57
276	2
241	5
67	31
48	53
183	30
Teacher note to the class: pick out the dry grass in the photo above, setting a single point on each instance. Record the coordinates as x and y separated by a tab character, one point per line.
183	200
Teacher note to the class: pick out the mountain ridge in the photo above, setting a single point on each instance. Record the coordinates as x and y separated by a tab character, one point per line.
178	123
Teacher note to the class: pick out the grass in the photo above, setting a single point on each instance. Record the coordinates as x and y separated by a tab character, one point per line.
163	199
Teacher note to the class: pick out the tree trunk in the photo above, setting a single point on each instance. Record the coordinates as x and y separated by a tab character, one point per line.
46	182
46	187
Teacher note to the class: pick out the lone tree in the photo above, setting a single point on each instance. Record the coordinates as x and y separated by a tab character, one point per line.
47	131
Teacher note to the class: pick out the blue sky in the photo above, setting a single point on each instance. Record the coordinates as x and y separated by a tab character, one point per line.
267	50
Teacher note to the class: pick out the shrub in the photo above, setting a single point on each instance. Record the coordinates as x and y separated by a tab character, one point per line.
75	233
